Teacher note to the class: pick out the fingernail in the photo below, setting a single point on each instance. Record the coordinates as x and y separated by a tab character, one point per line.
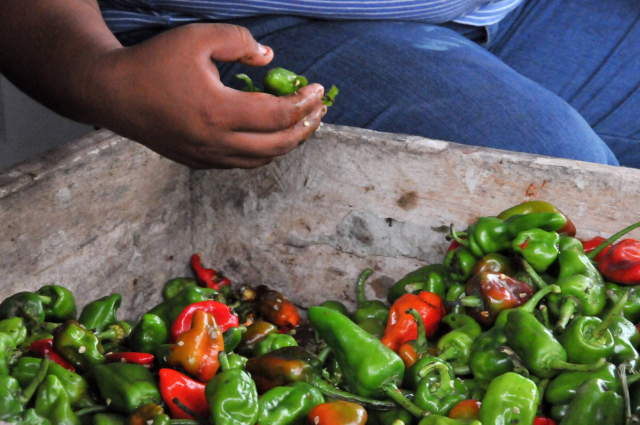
324	110
263	50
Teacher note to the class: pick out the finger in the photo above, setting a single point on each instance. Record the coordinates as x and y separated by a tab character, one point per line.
242	162
232	43
260	112
267	145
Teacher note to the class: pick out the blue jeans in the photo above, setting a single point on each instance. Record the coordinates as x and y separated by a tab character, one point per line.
556	77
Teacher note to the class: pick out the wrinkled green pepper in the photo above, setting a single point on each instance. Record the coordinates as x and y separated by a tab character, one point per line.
148	334
23	304
232	338
288	405
459	263
273	342
432	278
12	398
78	346
455	346
580	295
626	340
52	402
15	328
487	360
439	394
537	247
510	399
99	313
8	353
126	386
173	286
595	403
59	303
631	310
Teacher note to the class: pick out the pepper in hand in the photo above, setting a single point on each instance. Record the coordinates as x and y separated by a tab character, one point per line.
282	82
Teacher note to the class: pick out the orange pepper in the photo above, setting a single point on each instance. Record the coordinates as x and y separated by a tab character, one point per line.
466	409
402	327
145	414
337	412
196	350
276	308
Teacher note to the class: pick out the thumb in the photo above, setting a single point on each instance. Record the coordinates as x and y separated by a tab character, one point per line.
232	43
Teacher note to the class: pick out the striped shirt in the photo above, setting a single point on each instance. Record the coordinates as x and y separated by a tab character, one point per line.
127	15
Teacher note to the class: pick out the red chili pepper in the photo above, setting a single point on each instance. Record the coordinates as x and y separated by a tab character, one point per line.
276	308
225	318
207	277
592	244
466	409
544	421
525	244
402	327
143	359
174	384
43	347
621	264
454	245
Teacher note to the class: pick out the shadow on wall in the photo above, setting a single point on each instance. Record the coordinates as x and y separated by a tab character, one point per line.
27	128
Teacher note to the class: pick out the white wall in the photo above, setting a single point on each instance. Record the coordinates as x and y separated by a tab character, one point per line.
28	128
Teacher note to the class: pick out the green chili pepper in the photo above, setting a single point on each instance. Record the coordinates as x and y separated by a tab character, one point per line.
52	402
417	371
288	405
148	334
579	295
78	346
487	360
15	328
459	263
28	417
455	291
439	394
391	417
537	247
126	386
541	353
12	398
161	356
531	303
76	386
23	304
373	326
432	278
255	332
8	353
281	82
236	361
443	420
455	347
232	338
595	403
273	342
232	396
631	310
511	399
174	286
99	313
368	309
568	242
494	263
337	306
625	340
59	303
169	310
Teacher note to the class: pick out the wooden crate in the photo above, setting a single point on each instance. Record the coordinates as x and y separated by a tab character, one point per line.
104	214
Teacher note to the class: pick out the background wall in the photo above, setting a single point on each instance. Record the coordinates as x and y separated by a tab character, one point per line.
28	128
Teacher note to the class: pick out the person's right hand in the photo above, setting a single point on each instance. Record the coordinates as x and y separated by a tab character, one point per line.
166	94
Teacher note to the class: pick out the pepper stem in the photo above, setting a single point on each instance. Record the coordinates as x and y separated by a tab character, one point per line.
328	390
531	304
456	236
449	353
622	371
30	389
115	333
91	410
566	312
395	394
444	386
46	300
360	286
224	360
250	87
545	316
535	277
323	354
518	364
473	301
555	363
599	330
420	344
597	250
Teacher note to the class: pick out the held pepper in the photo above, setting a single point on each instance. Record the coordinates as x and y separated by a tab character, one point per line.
232	395
537	207
273	342
282	82
173	286
12	399
174	384
494	263
52	402
368	309
276	308
488	294
511	399
410	352
254	334
460	263
44	348
78	346
197	349
621	264
209	278
26	370
99	313
455	346
15	328
541	353
59	303
125	386
439	394
283	366
169	310
288	405
401	326
537	247
148	334
223	315
432	278
383	370
337	412
594	403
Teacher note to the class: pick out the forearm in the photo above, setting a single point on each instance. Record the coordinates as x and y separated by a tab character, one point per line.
53	50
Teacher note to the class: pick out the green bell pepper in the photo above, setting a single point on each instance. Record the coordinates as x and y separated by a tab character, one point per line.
368	309
99	313
459	263
148	334
432	278
282	82
273	342
439	394
595	403
455	347
510	399
568	242
537	247
232	396
59	303
15	328
78	346
173	286
126	386
288	405
52	402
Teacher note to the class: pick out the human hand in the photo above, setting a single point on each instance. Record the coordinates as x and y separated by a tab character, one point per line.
166	94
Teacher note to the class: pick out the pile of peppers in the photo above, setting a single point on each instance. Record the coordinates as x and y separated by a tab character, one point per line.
522	323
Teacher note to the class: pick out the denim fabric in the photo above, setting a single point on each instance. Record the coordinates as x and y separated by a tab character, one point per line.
541	81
